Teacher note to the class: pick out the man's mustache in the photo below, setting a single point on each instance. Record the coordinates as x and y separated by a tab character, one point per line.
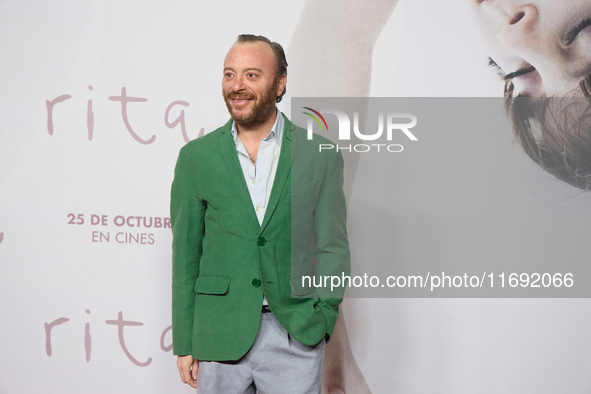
233	96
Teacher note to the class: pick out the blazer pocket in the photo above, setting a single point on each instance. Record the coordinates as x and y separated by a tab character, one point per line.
212	284
295	188
302	285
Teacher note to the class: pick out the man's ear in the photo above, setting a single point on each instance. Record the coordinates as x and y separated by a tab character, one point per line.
281	84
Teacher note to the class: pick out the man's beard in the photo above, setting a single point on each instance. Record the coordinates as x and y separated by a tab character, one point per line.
261	110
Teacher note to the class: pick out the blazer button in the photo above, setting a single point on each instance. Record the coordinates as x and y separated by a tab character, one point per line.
256	282
261	241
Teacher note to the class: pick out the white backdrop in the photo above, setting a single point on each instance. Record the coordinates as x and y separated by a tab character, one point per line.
84	265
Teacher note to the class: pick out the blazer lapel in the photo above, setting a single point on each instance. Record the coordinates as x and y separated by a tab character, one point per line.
228	149
283	169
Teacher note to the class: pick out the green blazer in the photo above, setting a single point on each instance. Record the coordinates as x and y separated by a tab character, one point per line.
224	261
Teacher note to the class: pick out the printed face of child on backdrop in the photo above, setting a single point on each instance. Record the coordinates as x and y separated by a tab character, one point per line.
543	46
542	49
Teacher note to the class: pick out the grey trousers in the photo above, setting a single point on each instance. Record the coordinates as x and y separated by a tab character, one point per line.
275	364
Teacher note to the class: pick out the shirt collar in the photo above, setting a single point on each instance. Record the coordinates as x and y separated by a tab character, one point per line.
276	130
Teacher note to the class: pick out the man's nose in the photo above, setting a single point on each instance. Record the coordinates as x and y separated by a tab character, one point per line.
238	84
518	29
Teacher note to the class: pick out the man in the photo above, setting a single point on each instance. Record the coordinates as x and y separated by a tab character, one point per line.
255	206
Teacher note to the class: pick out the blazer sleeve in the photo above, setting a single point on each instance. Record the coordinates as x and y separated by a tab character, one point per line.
331	245
187	222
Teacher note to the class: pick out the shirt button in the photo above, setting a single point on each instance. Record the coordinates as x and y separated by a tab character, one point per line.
261	241
257	208
252	181
256	283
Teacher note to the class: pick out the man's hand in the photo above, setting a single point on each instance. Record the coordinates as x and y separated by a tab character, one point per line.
188	367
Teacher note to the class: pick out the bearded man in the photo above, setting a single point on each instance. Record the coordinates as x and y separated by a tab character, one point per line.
255	206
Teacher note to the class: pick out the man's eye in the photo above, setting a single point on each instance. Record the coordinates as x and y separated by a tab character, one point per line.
228	75
251	75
